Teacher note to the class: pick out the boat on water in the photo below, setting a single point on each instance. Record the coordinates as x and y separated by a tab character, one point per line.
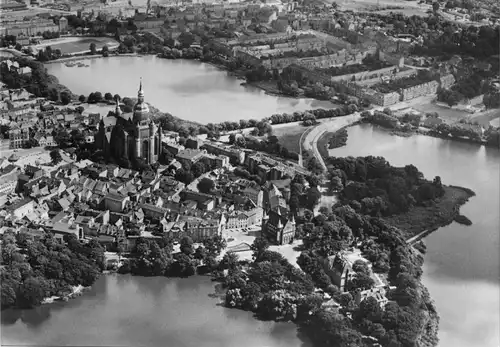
70	64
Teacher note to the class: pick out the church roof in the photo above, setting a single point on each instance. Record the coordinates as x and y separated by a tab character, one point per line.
109	121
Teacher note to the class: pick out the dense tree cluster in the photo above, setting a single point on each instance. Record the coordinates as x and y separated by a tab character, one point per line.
387	120
369	63
402	321
459	130
329	237
36	83
270	286
156	258
36	269
479	42
48	53
468	88
381	189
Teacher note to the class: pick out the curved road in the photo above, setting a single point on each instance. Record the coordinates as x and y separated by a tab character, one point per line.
310	142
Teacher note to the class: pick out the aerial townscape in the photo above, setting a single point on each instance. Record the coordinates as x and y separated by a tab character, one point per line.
250	173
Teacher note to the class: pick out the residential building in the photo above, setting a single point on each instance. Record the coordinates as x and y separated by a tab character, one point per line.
115	202
244	219
189	156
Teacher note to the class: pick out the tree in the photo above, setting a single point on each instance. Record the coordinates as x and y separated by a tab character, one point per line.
65	97
435	6
240	142
8	291
31	293
81	98
128	101
259	246
308	305
198	169
215	244
108	97
55	156
206	185
53	94
97	97
201	253
105	49
184	176
187	245
229	261
93	49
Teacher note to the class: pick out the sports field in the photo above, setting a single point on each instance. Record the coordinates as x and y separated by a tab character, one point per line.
78	44
385	6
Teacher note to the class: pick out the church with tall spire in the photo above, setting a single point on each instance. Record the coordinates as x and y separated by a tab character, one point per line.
127	137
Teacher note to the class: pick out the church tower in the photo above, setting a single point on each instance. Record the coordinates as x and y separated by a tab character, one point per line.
134	136
141	109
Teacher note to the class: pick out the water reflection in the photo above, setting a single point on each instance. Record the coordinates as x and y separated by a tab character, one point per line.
33	318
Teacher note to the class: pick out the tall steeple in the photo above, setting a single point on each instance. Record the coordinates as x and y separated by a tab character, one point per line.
141	109
140	93
118	111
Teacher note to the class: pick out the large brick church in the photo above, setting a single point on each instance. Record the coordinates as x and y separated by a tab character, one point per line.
130	136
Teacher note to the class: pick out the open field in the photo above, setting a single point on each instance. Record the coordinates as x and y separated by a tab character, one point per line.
406	11
78	44
289	136
384	6
486	118
101	108
29	12
447	114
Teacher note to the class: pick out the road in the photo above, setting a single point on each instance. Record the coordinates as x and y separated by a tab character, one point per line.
311	139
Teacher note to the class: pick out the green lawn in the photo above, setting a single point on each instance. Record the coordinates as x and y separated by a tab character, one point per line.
289	136
83	44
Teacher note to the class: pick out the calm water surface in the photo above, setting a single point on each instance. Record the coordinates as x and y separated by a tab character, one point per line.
462	265
122	310
187	89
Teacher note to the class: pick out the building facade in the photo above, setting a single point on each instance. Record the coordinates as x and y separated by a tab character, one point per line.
278	228
131	137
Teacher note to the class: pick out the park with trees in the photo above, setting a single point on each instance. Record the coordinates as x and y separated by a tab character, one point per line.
37	268
156	257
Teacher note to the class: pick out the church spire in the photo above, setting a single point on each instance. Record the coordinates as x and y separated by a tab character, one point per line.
118	111
140	94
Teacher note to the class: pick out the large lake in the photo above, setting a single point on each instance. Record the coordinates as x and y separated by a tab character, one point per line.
462	264
187	89
122	310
